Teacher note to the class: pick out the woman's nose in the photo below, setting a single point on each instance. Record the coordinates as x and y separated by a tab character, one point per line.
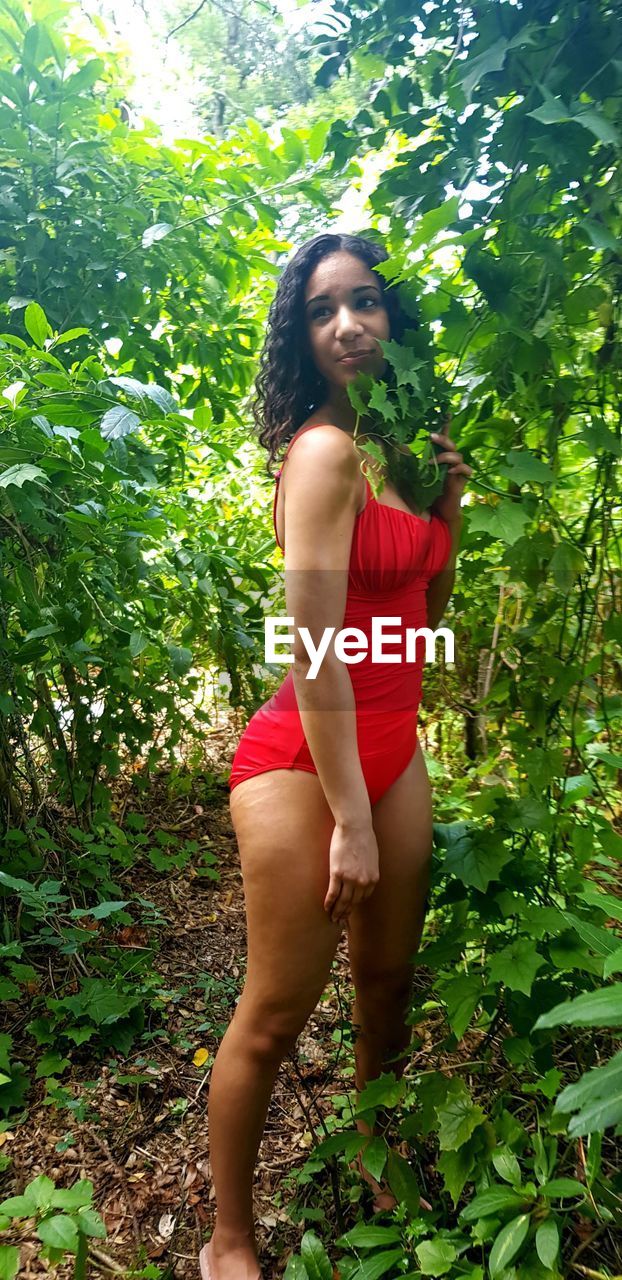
347	323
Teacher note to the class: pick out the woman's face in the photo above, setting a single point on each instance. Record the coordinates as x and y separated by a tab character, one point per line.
345	313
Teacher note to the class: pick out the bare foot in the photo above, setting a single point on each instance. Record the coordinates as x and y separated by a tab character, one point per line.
233	1261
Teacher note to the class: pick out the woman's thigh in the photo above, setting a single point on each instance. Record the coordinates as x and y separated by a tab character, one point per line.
283	827
384	930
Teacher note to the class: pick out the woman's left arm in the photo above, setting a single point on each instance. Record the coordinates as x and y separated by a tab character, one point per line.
448	507
441	586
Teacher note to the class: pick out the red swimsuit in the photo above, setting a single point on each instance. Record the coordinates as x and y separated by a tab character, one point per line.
393	556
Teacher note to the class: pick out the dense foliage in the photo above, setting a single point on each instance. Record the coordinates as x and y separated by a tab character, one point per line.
136	554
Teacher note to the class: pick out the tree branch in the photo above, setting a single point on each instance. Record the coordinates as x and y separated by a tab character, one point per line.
217	5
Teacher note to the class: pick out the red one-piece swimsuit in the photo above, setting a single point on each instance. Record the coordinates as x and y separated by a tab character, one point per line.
393	556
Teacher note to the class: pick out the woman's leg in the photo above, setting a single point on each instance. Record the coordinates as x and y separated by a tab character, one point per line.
384	931
283	827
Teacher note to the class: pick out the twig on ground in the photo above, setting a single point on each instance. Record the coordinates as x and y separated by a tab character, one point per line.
103	1260
121	1174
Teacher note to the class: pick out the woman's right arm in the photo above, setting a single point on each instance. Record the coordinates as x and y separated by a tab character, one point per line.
323	486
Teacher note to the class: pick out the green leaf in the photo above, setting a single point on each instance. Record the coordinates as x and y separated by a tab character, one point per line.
102	910
507	1166
524	468
51	1064
52	628
21	474
601	238
40	1191
18	1207
9	1261
508	1244
403	1182
181	659
516	965
436	1257
99	1001
458	1117
562	1189
349	1142
144	391
35	44
378	1265
489	1203
374	1157
476	859
613	963
59	1231
138	642
456	1167
362	1236
602	941
547	1242
85	78
566	563
462	994
317	139
433	221
592	1009
475	68
293	148
547	1084
157	232
36	323
295	1269
403	361
505	521
596	1098
75	1197
90	1223
598	124
315	1257
379	401
552	111
69	335
354	391
160	396
614	760
118	421
386	1091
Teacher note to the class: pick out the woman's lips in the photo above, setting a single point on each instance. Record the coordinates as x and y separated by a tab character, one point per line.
354	359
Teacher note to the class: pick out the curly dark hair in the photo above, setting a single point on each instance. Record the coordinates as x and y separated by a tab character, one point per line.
288	386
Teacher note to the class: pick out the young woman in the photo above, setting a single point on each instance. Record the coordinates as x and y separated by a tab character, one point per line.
330	798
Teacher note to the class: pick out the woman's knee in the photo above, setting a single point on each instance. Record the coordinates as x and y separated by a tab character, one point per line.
270	1030
380	995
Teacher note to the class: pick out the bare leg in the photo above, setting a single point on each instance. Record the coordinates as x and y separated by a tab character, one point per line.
283	826
384	934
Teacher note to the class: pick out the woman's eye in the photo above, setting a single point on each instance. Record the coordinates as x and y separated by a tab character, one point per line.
320	311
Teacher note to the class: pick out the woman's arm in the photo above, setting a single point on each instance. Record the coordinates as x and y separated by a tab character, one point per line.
323	490
448	507
441	586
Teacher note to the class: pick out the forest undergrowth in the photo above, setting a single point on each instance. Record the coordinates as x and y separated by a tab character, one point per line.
134	1124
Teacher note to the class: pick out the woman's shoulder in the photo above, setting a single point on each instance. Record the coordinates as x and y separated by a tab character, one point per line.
323	440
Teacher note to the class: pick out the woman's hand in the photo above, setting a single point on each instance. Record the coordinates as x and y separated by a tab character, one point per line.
448	504
353	869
